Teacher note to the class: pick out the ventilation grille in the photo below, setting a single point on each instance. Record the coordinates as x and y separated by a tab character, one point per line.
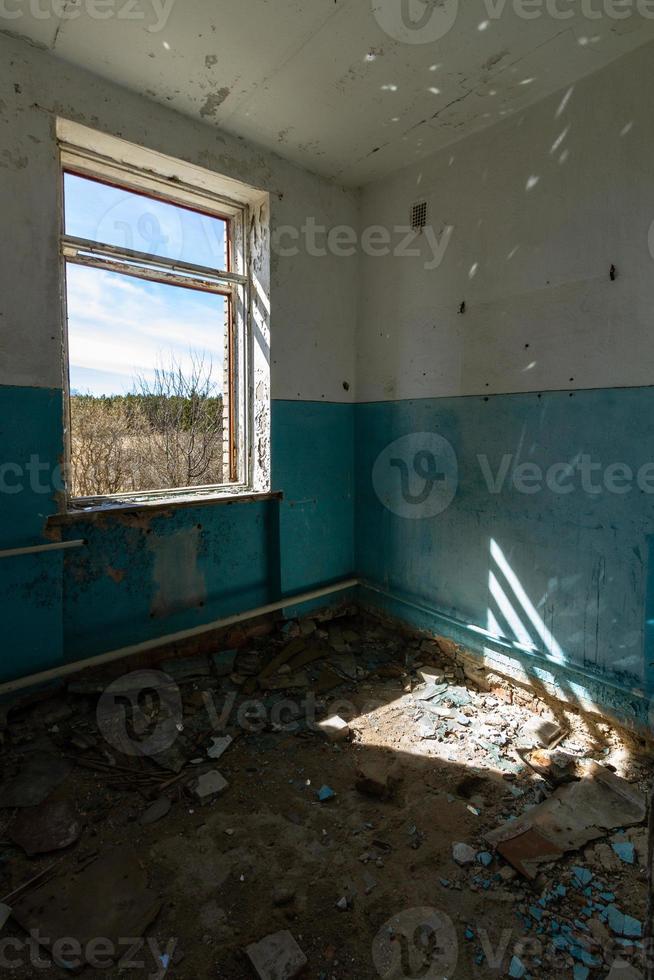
419	214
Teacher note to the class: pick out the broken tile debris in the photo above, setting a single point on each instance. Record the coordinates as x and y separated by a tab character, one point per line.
209	785
277	957
428	764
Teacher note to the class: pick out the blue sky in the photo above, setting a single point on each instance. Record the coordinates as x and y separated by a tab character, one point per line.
119	327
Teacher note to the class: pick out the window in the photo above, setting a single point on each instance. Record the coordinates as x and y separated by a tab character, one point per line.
166	337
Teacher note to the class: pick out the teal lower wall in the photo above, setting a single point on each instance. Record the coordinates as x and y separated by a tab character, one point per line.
547	573
139	578
544	569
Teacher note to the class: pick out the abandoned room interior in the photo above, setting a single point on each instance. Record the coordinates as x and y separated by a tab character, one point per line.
327	489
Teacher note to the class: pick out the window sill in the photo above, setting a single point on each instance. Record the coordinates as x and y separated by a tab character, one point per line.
101	511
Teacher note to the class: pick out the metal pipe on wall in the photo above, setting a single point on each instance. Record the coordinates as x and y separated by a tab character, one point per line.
36	549
105	658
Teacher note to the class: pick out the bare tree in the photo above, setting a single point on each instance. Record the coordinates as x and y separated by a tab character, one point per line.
167	433
184	412
104	458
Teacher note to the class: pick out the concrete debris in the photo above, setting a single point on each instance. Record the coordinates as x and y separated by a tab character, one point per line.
556	767
52	826
542	732
458	730
277	957
571	817
223	662
430	691
431	677
335	728
219	746
208	786
109	897
157	811
622	970
283	894
378	779
463	854
369	882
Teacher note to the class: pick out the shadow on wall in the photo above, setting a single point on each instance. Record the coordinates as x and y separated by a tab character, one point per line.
514	553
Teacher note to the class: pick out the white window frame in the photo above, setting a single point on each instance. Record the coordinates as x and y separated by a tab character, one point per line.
91	154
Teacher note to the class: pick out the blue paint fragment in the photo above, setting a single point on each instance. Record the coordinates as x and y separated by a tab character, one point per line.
485	858
625	851
516	968
469	934
581	877
444	882
607	896
622	924
326	793
580	972
535	913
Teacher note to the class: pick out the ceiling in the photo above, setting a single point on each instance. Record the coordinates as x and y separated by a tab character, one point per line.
345	88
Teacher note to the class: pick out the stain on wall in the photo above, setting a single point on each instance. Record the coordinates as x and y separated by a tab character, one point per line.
177	579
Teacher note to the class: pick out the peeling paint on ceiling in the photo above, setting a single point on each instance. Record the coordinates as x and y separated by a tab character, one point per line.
343	88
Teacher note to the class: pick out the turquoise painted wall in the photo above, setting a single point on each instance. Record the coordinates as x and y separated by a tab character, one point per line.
560	576
139	578
562	580
31	593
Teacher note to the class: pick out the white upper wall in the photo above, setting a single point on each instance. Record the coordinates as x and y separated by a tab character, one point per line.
541	206
313	298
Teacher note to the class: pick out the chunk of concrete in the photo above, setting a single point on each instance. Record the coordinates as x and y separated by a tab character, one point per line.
209	785
157	811
219	746
335	728
223	662
621	970
541	731
463	854
377	779
277	957
431	676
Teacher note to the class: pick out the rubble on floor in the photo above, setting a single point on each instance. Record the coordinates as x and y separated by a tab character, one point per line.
287	768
